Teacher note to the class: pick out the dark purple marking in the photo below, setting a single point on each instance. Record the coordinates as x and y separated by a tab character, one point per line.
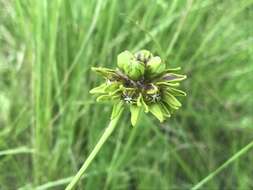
170	77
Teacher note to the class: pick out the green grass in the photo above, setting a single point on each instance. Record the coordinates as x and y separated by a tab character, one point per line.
49	123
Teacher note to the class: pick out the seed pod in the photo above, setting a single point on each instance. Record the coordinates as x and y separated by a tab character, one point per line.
155	66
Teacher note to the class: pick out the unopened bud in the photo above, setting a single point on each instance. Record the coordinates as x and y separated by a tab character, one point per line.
143	56
124	59
135	70
130	66
155	66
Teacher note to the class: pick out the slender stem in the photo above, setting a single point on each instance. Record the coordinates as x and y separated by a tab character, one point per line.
104	137
224	165
122	156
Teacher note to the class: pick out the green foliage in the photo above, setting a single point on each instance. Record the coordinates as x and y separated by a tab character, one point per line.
49	122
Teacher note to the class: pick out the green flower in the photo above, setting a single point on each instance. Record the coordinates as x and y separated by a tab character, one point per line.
140	82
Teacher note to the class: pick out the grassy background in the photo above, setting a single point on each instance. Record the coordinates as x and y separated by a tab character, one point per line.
49	123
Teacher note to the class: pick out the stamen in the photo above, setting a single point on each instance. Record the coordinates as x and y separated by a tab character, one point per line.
128	99
156	97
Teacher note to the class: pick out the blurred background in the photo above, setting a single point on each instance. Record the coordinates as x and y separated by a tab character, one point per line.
49	122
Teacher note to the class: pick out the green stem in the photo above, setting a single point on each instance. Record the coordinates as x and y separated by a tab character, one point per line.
104	137
224	165
123	156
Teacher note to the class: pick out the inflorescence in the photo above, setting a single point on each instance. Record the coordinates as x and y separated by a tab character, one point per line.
141	81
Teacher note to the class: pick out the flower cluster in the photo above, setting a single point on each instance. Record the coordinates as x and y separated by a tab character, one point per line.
142	82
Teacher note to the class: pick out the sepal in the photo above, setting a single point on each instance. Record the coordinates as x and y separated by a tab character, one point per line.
156	110
135	112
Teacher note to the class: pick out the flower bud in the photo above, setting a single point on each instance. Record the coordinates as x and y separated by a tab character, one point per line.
135	70
155	66
143	56
131	67
124	59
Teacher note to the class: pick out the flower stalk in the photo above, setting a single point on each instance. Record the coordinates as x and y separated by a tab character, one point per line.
108	131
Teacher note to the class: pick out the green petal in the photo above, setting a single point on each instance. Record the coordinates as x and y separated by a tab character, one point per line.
117	108
173	69
166	110
135	112
99	89
112	86
114	92
107	97
176	92
172	77
139	100
144	104
167	83
104	98
172	106
156	110
108	73
171	100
